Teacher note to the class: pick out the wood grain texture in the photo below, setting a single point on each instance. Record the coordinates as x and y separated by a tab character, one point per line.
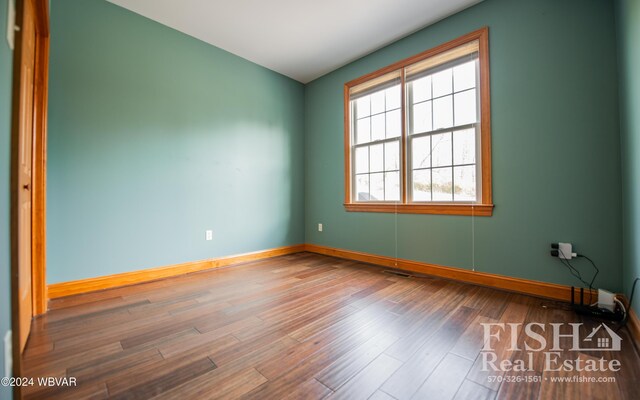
477	210
298	326
519	285
39	198
347	146
63	289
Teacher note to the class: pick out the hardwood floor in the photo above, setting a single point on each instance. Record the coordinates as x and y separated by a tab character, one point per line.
305	326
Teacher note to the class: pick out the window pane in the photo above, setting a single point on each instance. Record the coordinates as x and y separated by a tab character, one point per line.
393	98
422	185
465	107
362	187
392	156
442	113
421	89
441	151
442	83
377	127
363	105
377	102
392	186
363	130
376	158
377	187
465	181
394	126
464	147
442	184
421	117
362	160
421	152
464	76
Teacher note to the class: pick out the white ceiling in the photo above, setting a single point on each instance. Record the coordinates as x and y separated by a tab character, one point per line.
302	39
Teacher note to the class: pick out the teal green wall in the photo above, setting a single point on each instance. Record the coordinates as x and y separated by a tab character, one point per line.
6	60
628	23
155	137
145	123
556	154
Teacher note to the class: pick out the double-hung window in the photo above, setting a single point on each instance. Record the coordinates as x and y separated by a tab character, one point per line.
418	135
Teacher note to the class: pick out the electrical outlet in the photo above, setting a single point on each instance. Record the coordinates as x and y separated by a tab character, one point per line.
563	251
566	251
8	355
319	227
209	235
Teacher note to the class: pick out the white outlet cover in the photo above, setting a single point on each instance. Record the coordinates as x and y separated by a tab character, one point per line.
319	227
606	300
11	22
565	251
209	235
8	355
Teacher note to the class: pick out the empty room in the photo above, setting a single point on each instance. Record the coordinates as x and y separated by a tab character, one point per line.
386	200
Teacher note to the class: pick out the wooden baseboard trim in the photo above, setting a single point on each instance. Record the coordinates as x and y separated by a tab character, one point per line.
519	285
634	325
64	289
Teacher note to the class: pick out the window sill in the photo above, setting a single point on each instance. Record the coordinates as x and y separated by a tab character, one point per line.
479	210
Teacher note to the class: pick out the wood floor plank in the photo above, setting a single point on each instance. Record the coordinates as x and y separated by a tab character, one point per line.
514	314
530	390
309	390
472	340
102	368
48	364
209	383
472	391
553	389
36	350
169	377
367	381
417	325
204	343
335	342
330	345
231	386
236	386
341	370
444	382
408	379
380	395
91	391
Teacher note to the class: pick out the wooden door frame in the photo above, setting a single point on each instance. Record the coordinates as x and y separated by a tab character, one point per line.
39	177
39	149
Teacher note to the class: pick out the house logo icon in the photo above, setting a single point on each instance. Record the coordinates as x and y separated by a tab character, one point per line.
609	340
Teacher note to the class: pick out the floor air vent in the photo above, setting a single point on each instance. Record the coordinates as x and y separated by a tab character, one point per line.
397	273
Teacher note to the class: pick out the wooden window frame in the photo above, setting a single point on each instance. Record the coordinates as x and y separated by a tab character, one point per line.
484	207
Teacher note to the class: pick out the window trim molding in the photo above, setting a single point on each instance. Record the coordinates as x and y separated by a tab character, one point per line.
482	208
